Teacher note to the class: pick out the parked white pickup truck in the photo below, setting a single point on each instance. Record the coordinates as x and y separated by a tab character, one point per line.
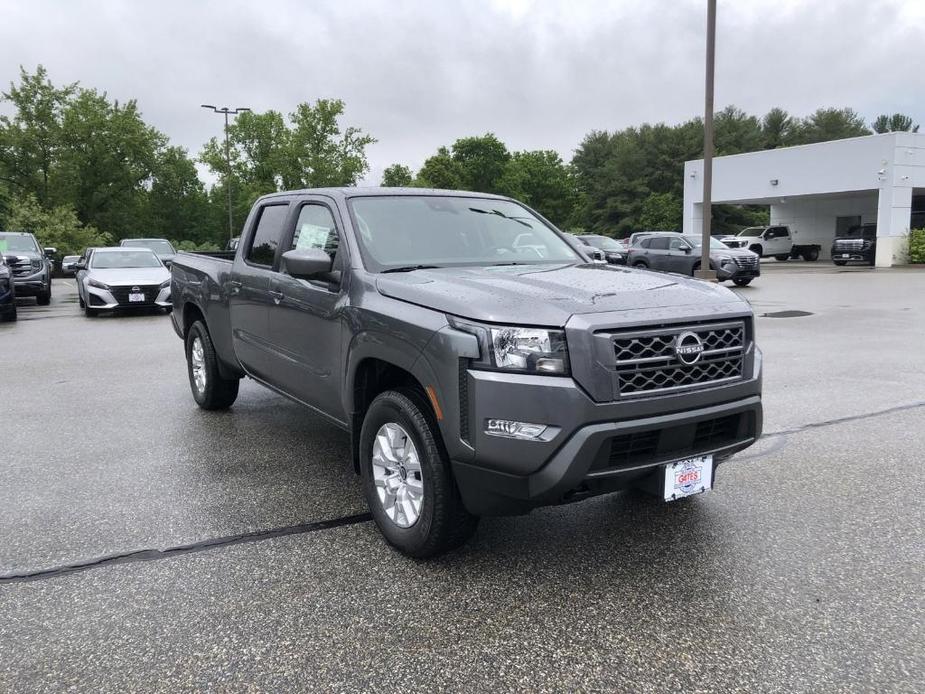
772	242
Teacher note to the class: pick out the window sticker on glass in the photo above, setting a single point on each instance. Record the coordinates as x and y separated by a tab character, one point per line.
312	236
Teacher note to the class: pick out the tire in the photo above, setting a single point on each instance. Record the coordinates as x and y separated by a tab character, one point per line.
44	298
742	281
442	523
80	301
811	256
90	312
840	263
695	269
212	392
757	248
783	257
641	264
9	316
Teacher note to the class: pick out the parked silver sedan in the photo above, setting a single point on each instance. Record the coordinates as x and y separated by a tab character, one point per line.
123	278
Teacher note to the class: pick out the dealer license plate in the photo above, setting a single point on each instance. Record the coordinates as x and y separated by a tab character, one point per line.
688	477
136	296
845	255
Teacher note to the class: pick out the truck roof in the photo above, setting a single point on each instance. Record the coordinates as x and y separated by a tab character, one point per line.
371	191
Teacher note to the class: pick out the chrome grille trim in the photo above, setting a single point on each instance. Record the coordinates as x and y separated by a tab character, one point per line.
645	362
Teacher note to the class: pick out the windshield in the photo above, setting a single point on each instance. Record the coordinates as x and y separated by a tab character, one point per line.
112	260
714	243
408	231
18	242
159	246
605	243
751	231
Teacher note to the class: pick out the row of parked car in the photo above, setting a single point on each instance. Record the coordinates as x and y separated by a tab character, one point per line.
132	275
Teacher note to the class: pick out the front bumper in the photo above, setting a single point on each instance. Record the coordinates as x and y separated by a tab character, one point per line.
593	447
32	285
732	271
104	299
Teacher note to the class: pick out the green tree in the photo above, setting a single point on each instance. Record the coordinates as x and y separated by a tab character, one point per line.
481	162
662	212
57	227
897	122
542	180
830	124
397	176
440	171
177	204
31	139
735	132
777	129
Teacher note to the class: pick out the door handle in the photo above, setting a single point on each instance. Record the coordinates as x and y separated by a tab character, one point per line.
277	296
234	287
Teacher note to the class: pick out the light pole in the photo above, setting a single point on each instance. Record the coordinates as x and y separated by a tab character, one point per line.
706	272
227	112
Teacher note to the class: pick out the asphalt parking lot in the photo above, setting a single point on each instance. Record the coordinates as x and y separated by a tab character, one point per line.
231	551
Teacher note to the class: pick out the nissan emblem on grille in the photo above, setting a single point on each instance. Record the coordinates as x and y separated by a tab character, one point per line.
688	347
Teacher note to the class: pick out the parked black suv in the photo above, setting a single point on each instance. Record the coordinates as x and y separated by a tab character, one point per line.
7	292
29	264
859	243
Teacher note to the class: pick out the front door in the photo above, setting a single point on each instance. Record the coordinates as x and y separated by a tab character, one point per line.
305	319
248	289
658	253
679	256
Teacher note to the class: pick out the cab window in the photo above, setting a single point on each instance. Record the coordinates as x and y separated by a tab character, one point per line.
316	228
267	235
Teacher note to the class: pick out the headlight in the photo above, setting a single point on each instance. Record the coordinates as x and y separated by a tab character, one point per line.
37	265
523	350
726	259
97	284
165	284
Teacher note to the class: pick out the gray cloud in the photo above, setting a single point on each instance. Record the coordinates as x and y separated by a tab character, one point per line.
417	75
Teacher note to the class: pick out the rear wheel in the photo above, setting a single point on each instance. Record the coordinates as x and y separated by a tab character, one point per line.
211	390
407	479
641	264
811	255
782	257
742	281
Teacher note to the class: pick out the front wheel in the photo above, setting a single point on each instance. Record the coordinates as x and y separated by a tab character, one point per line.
840	263
783	257
407	479
211	391
757	248
44	298
9	316
742	281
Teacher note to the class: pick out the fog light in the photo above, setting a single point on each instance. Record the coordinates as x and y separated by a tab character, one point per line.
514	430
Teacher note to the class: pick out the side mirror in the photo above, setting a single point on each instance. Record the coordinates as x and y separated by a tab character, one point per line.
80	265
50	252
306	263
687	249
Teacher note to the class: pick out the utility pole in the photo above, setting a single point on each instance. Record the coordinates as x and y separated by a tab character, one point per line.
227	112
706	272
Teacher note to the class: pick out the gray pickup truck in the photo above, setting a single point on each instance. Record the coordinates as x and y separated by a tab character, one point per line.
482	365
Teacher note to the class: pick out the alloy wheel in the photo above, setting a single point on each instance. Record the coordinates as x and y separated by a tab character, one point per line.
397	475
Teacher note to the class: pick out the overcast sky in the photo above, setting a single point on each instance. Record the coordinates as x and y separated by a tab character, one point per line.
417	75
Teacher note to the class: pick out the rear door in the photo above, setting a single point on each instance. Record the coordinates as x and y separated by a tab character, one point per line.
306	315
657	253
248	288
679	255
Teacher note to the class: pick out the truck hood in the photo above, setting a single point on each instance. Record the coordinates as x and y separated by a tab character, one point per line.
546	294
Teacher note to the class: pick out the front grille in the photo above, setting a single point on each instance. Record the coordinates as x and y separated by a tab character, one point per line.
21	267
646	362
851	244
746	262
120	294
656	445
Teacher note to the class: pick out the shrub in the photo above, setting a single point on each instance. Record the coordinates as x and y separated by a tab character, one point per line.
917	246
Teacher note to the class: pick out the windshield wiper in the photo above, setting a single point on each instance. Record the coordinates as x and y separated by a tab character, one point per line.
411	268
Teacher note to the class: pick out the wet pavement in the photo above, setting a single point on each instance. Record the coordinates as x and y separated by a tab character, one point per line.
208	562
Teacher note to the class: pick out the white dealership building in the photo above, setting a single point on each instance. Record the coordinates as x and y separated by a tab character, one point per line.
820	189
